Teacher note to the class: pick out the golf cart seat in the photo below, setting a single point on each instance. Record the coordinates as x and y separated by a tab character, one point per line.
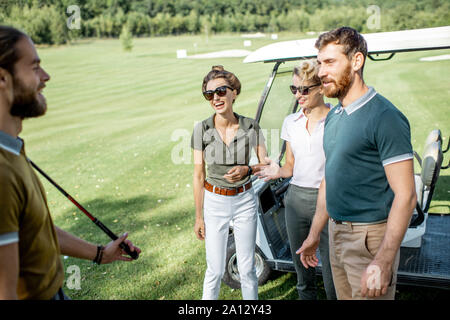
431	166
425	184
433	136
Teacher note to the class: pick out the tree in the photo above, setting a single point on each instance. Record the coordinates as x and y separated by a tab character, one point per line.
126	38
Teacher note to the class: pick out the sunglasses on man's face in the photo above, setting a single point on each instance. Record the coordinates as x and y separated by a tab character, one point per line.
303	90
220	91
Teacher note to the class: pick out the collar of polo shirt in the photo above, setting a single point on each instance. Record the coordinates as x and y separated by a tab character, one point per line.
302	113
10	144
358	103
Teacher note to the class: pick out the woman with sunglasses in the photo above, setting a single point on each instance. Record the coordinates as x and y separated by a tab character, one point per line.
305	163
224	142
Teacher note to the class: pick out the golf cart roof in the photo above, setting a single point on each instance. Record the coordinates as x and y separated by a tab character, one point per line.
379	42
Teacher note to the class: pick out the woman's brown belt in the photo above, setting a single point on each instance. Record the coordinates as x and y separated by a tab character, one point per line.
227	191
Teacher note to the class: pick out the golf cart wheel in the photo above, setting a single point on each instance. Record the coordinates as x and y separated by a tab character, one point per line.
231	276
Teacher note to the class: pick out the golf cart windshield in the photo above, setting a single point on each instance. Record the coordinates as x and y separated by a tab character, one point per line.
279	103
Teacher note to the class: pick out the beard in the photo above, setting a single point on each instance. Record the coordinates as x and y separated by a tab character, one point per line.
341	85
26	104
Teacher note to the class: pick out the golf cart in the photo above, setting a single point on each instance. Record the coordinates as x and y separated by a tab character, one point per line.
425	254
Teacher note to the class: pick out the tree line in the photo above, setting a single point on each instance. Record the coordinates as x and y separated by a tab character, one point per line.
50	21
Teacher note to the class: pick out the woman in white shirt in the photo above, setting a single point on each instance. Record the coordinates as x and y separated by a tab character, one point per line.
305	163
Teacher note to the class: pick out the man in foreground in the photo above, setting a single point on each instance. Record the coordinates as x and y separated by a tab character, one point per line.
368	192
30	245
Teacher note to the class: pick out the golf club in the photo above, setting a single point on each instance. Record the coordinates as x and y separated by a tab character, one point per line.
123	245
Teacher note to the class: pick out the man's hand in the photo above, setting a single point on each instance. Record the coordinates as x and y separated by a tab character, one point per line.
308	250
270	171
114	252
199	229
376	279
236	174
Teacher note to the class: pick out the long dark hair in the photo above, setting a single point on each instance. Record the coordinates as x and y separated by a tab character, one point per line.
9	54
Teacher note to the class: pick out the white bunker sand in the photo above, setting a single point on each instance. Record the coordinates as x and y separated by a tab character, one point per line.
221	54
436	58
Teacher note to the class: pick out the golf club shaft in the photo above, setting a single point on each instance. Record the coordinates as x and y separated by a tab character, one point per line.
105	229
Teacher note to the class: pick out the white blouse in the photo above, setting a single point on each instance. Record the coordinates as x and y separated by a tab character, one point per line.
309	164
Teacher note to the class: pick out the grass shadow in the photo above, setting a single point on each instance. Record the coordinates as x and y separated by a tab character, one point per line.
441	193
116	214
280	286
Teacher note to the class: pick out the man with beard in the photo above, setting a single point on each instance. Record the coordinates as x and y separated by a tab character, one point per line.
30	245
368	192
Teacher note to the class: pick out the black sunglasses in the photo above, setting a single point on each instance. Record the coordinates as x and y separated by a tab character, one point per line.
220	91
303	90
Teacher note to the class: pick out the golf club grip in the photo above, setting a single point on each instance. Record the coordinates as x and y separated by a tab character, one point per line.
126	248
123	245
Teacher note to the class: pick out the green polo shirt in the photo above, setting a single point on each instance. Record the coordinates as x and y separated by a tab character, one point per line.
25	219
359	140
219	157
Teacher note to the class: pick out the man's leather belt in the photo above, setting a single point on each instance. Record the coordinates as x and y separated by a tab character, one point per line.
227	191
357	223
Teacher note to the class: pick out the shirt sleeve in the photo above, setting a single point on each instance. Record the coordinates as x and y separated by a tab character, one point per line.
10	207
393	137
197	142
284	131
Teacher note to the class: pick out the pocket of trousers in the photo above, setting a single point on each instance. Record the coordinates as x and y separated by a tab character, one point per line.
374	235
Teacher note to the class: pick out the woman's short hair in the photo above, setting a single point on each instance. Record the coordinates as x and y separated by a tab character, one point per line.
308	71
218	72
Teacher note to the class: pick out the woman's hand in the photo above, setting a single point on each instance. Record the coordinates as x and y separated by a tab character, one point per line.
236	174
270	171
199	229
308	250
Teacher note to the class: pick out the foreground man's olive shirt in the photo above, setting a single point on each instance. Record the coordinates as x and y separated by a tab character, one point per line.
25	219
219	157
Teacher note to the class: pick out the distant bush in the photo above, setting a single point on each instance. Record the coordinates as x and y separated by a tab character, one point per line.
126	38
43	24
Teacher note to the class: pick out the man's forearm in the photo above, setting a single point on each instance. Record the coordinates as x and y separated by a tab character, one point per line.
398	221
73	246
9	271
8	294
321	215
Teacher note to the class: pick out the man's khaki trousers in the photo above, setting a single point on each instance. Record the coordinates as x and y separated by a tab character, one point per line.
352	249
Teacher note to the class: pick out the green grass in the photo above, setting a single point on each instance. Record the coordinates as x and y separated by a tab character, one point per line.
107	139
